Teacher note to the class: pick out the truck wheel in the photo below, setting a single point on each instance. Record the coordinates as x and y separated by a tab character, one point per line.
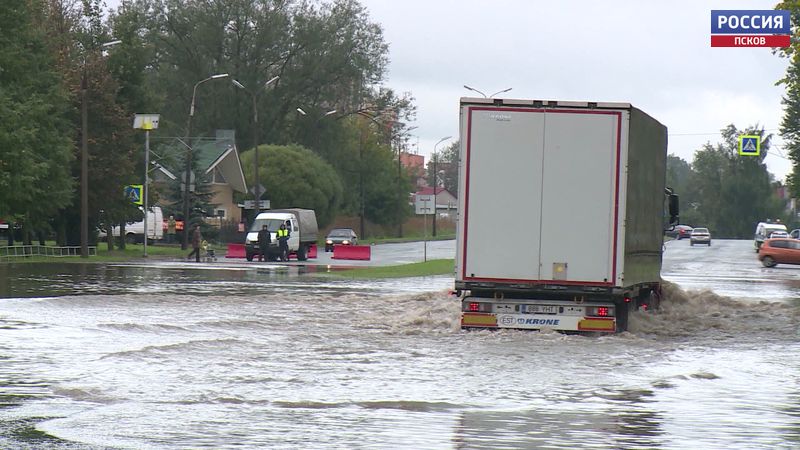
130	238
768	262
623	310
249	256
302	253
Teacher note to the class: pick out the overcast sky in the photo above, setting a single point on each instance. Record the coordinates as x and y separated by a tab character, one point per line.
654	55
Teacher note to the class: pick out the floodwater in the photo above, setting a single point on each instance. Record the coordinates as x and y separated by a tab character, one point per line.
175	356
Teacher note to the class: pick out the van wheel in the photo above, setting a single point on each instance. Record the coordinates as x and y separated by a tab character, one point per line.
249	256
302	253
130	238
768	262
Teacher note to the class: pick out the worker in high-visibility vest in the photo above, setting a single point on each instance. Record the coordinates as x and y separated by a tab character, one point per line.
283	242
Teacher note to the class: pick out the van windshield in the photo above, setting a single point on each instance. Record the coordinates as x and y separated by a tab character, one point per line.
272	224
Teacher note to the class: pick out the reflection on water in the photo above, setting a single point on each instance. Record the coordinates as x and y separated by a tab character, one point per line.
173	357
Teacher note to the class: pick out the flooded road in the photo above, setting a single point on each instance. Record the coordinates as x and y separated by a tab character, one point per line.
167	355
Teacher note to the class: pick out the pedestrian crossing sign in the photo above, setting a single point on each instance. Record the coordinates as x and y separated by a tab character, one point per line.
133	192
749	145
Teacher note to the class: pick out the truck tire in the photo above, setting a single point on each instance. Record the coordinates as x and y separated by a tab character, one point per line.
623	310
130	238
302	252
249	256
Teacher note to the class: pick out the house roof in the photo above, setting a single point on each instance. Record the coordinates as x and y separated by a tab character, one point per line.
216	153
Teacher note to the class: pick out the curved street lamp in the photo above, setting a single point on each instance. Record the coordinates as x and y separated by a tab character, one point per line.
484	95
188	173
254	96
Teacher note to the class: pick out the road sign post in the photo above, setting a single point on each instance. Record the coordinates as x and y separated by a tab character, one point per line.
146	122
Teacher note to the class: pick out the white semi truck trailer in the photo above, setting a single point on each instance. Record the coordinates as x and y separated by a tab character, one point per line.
562	211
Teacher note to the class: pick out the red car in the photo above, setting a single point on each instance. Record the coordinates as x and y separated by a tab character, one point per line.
779	251
680	231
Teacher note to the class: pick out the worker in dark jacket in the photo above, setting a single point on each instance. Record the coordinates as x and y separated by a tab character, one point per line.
264	240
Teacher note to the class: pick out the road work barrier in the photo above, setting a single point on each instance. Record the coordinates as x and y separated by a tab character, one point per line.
235	251
311	253
362	252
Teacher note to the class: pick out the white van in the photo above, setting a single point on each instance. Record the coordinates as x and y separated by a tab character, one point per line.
764	229
302	235
134	232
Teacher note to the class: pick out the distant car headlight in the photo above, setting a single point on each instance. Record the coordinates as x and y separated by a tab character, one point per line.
346	242
328	241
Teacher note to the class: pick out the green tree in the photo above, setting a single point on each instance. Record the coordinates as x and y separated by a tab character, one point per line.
75	36
733	192
34	135
447	168
294	177
790	125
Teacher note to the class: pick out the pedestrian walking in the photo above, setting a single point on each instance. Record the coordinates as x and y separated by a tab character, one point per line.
197	238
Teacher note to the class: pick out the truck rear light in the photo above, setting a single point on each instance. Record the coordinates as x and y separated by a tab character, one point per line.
600	311
482	307
627	299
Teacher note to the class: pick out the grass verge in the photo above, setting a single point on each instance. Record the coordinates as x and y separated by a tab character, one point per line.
428	268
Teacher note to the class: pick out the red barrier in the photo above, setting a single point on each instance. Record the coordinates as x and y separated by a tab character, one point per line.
363	252
312	251
235	251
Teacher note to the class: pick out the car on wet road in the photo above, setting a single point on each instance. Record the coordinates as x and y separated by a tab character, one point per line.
679	232
779	251
340	236
700	236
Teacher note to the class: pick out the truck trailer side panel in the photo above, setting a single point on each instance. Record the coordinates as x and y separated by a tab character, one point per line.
644	216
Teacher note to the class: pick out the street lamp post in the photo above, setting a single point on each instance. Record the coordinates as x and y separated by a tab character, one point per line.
254	96
315	135
85	157
189	156
435	180
400	175
484	95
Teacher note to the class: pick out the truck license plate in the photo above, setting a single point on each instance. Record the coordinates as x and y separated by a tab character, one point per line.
541	309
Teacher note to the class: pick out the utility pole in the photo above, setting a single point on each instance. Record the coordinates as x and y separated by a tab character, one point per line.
435	178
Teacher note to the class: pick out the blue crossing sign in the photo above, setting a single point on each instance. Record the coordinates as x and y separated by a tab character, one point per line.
133	192
749	145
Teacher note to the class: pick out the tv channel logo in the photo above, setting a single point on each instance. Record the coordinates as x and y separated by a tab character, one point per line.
750	28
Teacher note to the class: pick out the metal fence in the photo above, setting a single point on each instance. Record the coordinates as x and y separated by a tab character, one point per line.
27	251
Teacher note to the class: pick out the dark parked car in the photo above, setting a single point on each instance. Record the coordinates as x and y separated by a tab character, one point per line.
340	236
680	231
